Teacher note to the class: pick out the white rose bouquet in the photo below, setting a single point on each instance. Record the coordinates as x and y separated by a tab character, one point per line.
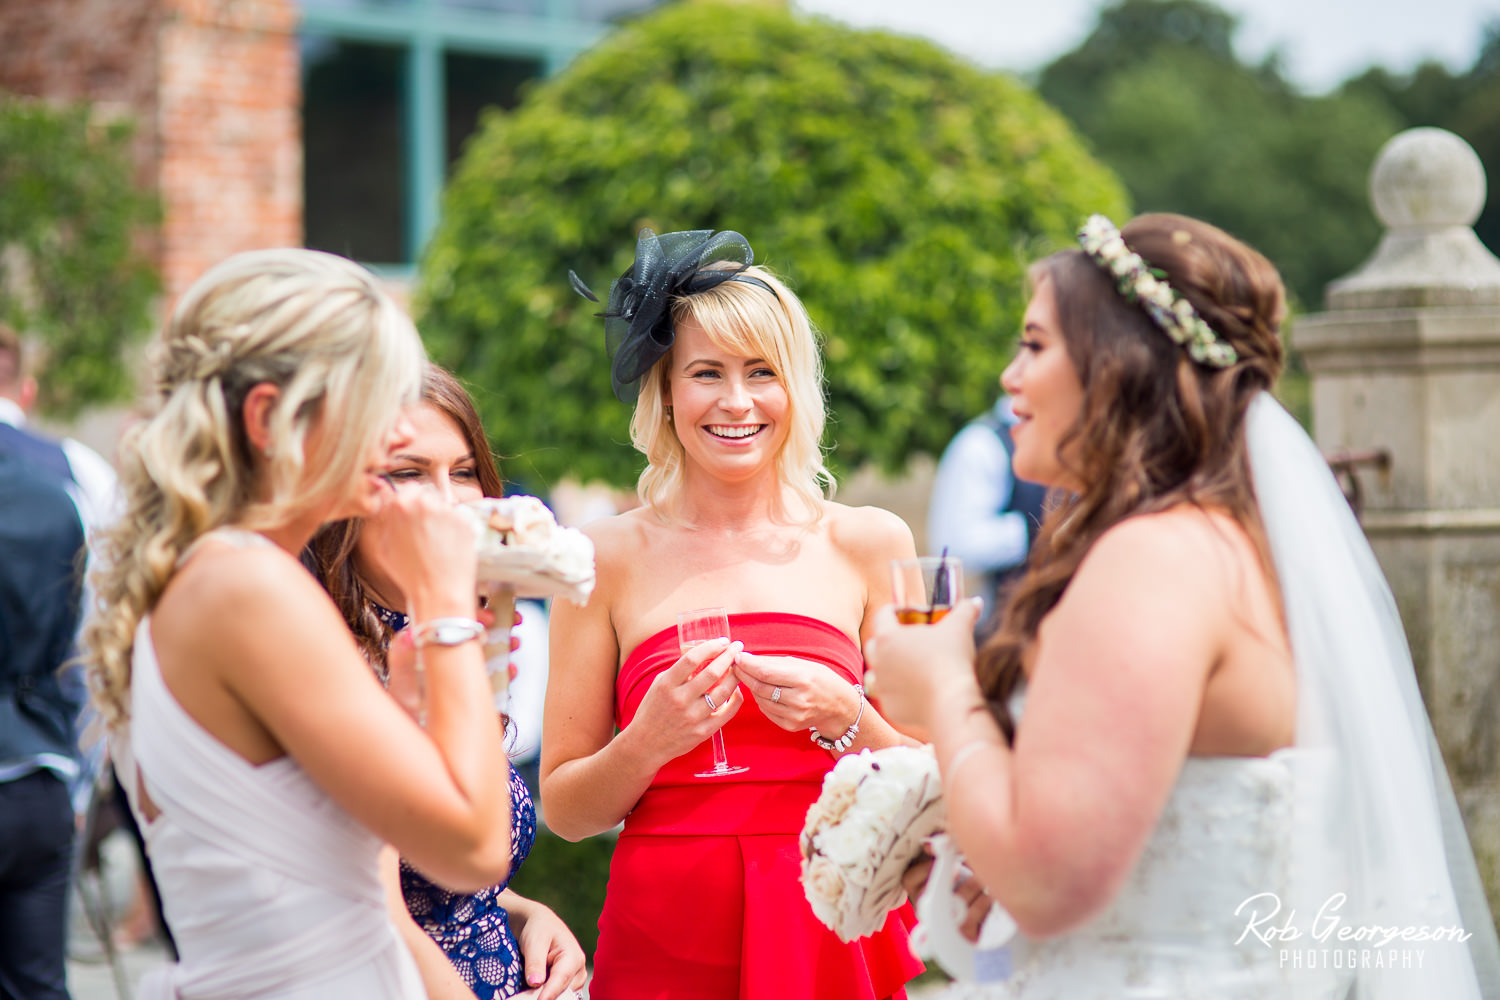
519	544
865	829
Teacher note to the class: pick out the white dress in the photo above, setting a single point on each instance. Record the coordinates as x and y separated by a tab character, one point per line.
1177	928
271	890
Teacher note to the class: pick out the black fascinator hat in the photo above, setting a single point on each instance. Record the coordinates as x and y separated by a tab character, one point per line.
638	316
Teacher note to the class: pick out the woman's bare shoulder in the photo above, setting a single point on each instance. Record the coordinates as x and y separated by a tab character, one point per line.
868	532
223	590
621	534
1181	548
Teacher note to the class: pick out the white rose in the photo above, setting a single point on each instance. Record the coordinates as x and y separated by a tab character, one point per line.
881	796
852	767
823	882
570	554
907	766
848	842
532	523
836	800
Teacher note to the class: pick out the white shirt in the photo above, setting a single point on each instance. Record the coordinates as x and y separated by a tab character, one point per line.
966	513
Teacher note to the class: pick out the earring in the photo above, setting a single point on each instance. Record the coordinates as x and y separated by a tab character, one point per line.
668	411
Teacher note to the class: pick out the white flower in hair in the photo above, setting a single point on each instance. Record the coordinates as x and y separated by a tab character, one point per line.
1154	294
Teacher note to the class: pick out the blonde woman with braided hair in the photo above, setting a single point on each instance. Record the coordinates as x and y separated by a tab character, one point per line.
264	761
1193	761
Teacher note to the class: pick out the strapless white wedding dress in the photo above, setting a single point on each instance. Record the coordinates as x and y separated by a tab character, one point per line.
1177	929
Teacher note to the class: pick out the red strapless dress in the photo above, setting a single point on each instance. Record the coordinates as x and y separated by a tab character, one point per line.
705	895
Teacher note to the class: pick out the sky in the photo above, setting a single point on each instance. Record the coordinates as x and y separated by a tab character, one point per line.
1323	42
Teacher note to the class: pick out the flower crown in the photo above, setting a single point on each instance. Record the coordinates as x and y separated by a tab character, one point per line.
1149	289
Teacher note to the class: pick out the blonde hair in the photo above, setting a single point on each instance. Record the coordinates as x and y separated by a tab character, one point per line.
318	327
740	317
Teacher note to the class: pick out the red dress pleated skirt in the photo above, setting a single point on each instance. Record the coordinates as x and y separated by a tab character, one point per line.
705	897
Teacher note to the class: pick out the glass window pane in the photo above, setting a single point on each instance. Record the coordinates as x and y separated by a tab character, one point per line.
499	6
609	10
478	82
354	147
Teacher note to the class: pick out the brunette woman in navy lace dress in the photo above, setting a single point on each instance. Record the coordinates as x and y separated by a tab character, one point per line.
497	944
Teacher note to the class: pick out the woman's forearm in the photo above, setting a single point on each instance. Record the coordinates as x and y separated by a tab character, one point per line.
439	976
589	795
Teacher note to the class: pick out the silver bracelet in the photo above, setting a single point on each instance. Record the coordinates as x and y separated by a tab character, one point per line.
447	632
843	742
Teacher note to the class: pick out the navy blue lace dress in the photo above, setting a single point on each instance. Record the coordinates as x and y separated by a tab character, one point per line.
474	930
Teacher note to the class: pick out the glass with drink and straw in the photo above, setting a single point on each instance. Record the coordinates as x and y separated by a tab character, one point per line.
693	629
925	589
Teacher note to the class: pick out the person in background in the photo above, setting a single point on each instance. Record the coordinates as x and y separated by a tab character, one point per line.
980	511
493	943
95	480
41	540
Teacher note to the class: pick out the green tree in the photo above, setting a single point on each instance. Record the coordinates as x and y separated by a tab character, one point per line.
899	189
71	274
1160	93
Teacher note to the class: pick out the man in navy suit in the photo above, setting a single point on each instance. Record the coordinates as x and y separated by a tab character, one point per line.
41	550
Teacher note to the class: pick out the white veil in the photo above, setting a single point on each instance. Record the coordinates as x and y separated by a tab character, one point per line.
1388	831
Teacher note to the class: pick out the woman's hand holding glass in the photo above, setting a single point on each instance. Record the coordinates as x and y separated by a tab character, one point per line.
913	668
673	716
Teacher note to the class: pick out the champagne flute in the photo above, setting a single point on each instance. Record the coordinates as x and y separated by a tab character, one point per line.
693	629
926	589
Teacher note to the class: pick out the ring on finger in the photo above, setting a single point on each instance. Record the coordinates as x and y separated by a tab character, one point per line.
775	695
711	706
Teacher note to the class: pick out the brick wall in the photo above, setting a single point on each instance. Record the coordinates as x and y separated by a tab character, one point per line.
229	125
214	88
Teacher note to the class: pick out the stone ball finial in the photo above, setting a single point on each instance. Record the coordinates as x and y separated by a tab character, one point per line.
1427	177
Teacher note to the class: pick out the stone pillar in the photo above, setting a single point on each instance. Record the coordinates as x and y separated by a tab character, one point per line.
215	91
1406	359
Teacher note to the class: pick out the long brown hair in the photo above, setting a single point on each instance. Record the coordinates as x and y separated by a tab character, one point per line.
1157	429
330	554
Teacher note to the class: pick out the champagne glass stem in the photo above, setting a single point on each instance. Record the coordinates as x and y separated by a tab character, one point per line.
721	759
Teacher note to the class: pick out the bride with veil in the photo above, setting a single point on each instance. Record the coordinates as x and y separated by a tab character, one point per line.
1193	761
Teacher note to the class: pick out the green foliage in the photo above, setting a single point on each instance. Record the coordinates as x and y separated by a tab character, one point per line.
570	878
1158	91
70	273
900	190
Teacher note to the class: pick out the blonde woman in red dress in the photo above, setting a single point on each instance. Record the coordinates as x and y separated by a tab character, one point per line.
704	898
